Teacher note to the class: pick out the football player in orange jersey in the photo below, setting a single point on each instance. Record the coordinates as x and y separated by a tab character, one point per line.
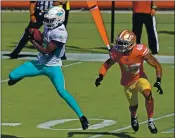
130	57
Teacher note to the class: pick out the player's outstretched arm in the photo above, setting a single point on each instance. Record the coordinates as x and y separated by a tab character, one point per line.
151	60
103	71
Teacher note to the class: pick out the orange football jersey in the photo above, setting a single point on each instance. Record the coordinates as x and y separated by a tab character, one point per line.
131	64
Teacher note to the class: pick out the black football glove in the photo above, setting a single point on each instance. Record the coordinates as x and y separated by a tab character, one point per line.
157	84
98	80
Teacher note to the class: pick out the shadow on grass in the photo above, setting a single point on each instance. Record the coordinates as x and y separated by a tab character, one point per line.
78	49
167	32
9	136
120	135
22	55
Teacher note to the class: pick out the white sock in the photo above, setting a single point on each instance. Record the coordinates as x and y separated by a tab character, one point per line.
150	119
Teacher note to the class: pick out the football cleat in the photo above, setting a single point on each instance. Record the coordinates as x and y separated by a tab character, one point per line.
152	127
84	122
12	82
134	124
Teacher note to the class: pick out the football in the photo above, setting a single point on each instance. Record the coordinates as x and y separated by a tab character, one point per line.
37	35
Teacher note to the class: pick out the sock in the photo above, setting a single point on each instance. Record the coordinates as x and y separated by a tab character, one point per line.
133	110
150	119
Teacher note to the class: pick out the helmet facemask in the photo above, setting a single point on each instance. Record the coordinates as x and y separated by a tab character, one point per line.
125	41
123	45
49	22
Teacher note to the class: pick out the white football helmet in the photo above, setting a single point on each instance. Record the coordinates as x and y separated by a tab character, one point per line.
54	17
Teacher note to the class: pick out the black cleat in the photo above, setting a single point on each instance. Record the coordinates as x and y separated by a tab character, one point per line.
134	124
84	122
12	82
152	127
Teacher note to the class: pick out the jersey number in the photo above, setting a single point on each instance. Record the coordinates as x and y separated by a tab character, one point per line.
134	68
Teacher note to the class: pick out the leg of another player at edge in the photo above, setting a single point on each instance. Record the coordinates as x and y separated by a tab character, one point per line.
56	76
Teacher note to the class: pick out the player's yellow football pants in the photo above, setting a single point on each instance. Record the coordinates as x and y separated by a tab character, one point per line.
132	91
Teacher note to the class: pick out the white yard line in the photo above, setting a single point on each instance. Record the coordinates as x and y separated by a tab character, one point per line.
4	80
127	127
75	63
172	130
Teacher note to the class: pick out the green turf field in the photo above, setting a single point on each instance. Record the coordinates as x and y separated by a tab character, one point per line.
34	101
83	34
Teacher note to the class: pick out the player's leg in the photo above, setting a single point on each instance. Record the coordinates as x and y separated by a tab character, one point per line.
56	76
145	88
137	24
27	69
132	97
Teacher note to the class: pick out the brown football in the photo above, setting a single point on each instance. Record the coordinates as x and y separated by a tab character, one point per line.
37	35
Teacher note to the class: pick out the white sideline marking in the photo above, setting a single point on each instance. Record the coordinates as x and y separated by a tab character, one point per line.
10	124
87	57
63	67
72	64
172	130
127	127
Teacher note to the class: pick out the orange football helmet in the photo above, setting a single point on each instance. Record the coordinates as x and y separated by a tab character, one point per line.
125	41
